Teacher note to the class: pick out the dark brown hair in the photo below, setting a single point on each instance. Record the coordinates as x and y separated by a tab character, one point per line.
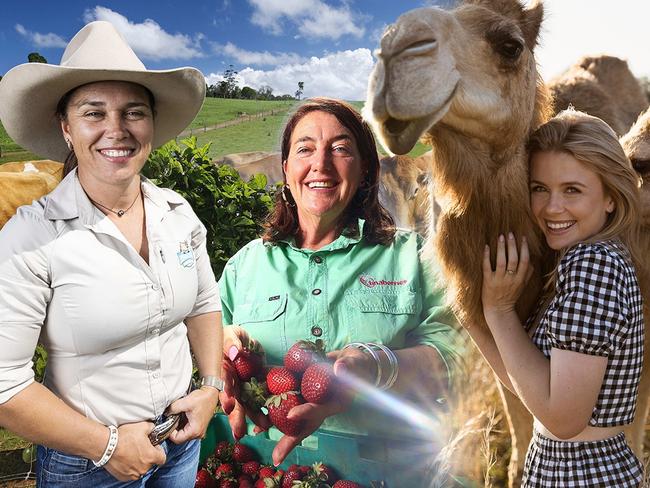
379	227
61	114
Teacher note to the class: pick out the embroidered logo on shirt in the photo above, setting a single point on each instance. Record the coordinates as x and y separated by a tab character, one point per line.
185	256
371	282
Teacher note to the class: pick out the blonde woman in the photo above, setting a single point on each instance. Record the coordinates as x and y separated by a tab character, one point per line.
576	363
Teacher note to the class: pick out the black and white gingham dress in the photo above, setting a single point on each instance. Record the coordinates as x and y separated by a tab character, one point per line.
597	309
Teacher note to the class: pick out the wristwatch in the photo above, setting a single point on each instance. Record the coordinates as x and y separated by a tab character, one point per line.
212	382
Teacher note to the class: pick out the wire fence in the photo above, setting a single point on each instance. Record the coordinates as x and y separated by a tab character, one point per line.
241	118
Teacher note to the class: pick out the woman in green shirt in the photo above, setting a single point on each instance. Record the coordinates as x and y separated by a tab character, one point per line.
331	265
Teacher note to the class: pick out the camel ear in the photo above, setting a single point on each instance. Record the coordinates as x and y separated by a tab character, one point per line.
532	22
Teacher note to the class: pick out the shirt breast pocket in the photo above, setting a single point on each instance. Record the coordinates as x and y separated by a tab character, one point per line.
264	320
383	317
179	264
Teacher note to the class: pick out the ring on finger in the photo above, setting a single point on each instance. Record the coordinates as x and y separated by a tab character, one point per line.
510	271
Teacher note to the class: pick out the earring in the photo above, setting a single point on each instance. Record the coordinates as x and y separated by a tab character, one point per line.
69	144
284	196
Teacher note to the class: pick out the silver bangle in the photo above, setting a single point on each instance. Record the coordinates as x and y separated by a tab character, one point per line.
368	350
110	447
392	361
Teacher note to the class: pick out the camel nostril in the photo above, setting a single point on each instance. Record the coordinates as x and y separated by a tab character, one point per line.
421	47
395	126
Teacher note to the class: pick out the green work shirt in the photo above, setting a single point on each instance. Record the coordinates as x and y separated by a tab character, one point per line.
347	291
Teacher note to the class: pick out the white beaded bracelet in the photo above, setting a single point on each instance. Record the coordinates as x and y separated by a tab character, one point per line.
368	350
110	447
392	361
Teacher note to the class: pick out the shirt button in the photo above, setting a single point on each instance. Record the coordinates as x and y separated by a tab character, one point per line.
316	331
154	331
155	374
154	287
318	259
316	291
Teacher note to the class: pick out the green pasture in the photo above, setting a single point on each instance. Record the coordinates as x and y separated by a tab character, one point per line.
258	134
217	110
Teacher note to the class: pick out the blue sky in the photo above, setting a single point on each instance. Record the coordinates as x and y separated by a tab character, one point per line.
327	44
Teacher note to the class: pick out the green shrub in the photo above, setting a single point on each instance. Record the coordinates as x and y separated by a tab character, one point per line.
231	209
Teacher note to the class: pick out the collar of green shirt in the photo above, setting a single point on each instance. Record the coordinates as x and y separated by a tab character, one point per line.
341	242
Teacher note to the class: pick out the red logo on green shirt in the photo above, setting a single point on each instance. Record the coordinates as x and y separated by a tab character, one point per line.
371	282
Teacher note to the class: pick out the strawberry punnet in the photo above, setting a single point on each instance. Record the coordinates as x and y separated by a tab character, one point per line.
279	406
303	354
249	362
318	383
280	380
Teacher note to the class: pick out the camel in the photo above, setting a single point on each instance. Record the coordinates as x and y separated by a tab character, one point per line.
476	99
602	86
404	191
23	182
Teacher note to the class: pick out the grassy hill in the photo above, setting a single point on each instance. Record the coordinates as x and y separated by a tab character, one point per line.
258	134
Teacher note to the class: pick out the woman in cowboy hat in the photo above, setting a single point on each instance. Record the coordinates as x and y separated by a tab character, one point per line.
109	272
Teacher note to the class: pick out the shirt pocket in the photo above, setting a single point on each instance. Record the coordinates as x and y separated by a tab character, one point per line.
264	320
178	276
381	317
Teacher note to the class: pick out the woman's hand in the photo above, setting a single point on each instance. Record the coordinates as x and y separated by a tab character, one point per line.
235	339
198	407
134	454
312	416
503	286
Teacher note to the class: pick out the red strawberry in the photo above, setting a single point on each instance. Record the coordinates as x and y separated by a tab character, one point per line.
293	467
279	406
242	453
290	477
251	468
223	451
249	363
228	483
266	472
224	470
266	483
303	354
203	479
304	470
318	383
279	380
245	480
346	484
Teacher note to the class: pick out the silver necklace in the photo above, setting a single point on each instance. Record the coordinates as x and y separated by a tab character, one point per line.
118	212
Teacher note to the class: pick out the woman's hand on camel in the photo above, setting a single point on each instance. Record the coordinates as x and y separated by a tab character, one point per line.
134	454
503	286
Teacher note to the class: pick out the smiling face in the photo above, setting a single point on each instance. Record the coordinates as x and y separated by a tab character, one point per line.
323	169
567	199
110	125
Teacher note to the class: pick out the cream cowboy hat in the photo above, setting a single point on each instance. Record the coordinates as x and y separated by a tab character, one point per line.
29	93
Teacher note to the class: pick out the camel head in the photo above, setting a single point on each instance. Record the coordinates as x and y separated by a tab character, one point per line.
471	69
636	144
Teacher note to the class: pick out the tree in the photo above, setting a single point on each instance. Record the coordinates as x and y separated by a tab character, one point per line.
36	58
229	83
265	92
299	91
248	93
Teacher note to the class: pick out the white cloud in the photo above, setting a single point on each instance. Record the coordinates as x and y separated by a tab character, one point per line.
342	74
41	40
256	58
577	28
314	18
148	39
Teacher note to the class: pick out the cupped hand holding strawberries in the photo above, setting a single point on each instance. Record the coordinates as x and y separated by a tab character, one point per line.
299	395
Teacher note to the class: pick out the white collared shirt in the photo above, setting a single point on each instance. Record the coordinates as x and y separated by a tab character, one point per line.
112	324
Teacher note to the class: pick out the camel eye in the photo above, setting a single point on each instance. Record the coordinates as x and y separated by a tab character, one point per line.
511	49
642	167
